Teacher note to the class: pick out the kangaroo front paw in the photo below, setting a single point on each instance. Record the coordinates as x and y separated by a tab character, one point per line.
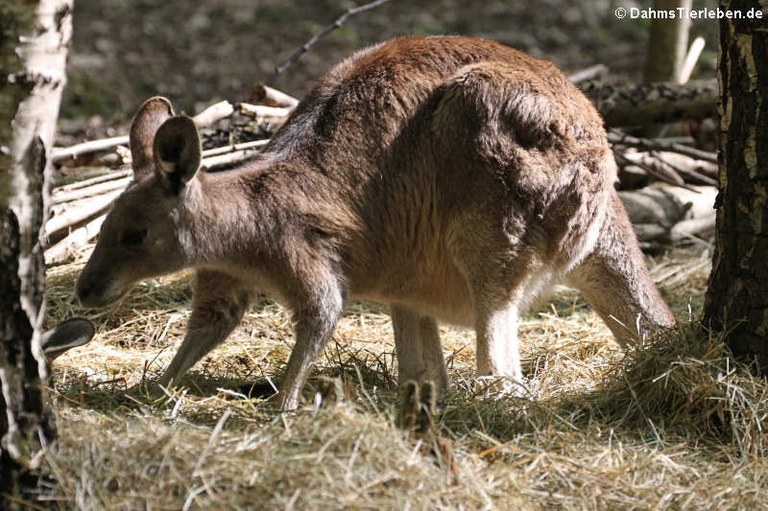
287	401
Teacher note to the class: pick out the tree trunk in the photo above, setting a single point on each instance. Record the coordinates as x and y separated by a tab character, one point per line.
34	37
667	42
737	297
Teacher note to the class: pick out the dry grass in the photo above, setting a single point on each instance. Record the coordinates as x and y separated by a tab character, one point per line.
673	425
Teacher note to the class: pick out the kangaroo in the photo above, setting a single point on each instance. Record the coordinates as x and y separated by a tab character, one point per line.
453	178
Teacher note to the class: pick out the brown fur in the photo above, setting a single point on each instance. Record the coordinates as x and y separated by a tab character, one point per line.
450	177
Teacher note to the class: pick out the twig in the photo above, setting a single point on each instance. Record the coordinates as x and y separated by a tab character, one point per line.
646	144
590	73
327	30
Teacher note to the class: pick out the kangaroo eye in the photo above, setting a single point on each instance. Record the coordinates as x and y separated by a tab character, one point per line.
133	236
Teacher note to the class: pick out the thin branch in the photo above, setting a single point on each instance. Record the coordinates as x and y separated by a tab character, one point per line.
90	191
241	146
231	158
65	153
694	52
690	173
208	116
66	220
94	180
65	250
646	144
596	72
661	174
327	30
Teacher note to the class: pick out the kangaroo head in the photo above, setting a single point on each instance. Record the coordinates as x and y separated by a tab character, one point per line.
143	235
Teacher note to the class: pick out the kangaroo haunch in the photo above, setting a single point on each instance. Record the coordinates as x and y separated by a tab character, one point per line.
453	178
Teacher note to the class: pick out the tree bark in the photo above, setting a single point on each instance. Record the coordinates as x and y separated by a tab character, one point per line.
34	37
737	296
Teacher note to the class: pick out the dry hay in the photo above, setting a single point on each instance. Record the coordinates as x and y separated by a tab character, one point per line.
674	424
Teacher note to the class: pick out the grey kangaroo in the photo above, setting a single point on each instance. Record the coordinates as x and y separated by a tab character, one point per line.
453	178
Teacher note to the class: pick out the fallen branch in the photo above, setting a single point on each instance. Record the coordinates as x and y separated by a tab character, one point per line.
90	191
267	113
95	196
231	158
647	144
59	154
265	95
67	248
242	146
664	214
595	72
636	167
213	113
692	227
640	104
693	171
94	180
650	166
65	220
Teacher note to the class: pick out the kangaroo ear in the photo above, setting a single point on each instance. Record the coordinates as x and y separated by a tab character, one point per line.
177	152
65	336
154	112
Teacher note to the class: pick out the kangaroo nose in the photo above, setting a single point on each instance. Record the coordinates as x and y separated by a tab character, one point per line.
94	290
84	291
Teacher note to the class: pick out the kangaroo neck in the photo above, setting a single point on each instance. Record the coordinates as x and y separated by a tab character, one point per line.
236	218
